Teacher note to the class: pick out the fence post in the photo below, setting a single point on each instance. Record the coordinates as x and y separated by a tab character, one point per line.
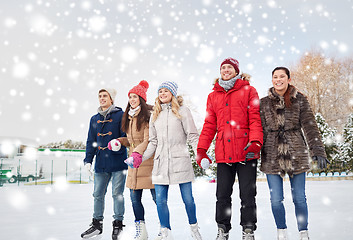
66	171
18	172
36	173
1	183
51	177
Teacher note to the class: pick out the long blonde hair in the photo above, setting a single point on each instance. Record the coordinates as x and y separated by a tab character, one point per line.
177	102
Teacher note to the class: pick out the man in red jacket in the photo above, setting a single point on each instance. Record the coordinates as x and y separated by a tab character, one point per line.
233	113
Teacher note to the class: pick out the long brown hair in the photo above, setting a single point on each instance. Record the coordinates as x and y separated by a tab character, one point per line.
143	116
287	94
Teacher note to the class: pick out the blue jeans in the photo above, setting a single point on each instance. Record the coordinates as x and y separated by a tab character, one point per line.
101	181
162	206
136	196
297	182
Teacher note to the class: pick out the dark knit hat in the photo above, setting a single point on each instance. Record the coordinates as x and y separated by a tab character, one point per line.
140	89
232	62
171	86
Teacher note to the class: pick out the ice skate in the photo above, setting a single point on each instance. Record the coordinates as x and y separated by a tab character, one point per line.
95	229
141	231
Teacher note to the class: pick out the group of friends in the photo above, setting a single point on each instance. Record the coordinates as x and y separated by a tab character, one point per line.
280	128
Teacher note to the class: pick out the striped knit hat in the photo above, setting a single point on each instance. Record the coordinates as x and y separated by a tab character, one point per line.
171	86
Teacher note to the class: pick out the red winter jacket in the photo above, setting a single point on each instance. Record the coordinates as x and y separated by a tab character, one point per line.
235	117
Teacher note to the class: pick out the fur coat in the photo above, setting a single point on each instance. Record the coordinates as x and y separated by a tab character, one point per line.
291	135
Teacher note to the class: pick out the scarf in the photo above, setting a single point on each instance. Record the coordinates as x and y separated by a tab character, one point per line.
133	111
227	85
105	112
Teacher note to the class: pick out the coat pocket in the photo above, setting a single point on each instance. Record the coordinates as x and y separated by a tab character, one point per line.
181	164
156	163
219	148
241	139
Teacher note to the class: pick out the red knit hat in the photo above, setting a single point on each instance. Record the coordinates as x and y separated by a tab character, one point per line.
232	62
140	89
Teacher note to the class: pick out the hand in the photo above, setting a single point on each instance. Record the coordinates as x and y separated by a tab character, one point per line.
202	159
321	161
88	167
252	150
137	159
114	145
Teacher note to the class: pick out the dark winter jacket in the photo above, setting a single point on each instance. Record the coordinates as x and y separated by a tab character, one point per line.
235	117
288	132
101	131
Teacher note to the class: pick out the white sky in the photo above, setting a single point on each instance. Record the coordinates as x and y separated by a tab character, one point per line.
57	54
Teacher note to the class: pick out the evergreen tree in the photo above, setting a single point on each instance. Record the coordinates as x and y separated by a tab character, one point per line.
346	152
328	138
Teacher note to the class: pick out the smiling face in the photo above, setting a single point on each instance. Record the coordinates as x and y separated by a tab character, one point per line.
228	72
104	100
164	95
134	100
280	81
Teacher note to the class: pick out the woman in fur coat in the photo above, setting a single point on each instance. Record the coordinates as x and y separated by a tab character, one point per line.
291	136
135	122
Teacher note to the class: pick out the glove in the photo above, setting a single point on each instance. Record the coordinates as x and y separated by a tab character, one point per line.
321	161
114	145
252	150
202	159
134	161
88	167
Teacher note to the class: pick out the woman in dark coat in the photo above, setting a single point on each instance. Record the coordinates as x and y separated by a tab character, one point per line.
291	136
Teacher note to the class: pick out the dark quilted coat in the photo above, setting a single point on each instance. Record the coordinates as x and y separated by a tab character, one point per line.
291	135
234	115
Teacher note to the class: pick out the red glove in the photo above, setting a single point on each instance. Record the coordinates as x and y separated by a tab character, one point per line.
201	154
252	150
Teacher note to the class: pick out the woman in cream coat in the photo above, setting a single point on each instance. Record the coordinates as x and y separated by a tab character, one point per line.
171	126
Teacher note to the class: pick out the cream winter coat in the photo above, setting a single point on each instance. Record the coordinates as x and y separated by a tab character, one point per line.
167	140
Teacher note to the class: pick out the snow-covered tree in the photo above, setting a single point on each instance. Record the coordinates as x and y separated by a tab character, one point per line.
68	144
199	171
346	148
328	138
325	81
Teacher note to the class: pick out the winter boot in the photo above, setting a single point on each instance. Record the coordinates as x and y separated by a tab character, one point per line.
166	234
248	234
117	229
304	235
95	229
282	234
141	231
222	235
195	231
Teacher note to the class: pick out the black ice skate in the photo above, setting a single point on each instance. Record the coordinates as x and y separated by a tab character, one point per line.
95	229
117	229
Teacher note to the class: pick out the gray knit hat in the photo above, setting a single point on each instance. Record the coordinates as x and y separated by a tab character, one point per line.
111	91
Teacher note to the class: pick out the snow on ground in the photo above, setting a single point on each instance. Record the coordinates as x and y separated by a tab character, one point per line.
64	212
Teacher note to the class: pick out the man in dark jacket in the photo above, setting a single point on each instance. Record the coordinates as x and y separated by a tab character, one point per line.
109	165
